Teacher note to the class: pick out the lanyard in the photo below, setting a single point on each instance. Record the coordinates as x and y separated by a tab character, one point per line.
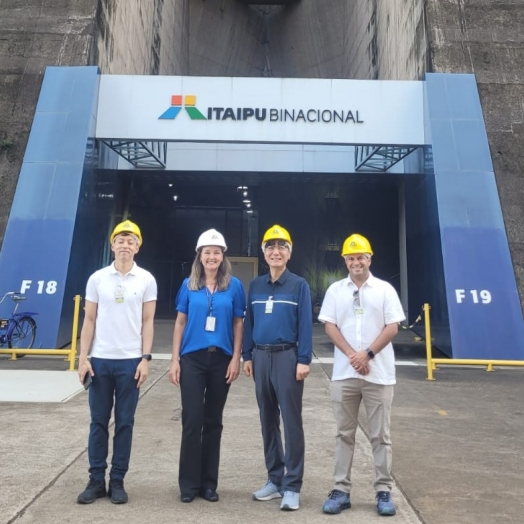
210	299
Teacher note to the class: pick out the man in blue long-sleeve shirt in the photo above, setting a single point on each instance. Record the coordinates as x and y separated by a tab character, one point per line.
277	348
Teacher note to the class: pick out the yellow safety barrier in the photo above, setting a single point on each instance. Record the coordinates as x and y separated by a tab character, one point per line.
432	362
69	353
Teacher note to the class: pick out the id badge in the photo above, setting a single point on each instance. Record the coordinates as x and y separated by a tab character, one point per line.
210	323
269	305
119	294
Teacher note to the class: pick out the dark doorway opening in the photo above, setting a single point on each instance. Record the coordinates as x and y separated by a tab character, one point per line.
319	210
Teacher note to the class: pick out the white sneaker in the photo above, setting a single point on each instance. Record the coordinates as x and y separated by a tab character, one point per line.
268	492
290	501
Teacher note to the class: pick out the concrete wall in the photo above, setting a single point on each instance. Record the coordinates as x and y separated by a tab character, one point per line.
226	39
142	37
385	39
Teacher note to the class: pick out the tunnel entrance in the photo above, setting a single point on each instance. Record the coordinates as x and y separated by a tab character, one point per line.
320	211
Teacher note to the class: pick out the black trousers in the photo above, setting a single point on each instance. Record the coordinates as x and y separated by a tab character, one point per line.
204	392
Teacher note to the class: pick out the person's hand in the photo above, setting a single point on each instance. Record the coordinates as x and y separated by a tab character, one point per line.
360	362
302	371
84	367
142	371
233	370
174	372
248	368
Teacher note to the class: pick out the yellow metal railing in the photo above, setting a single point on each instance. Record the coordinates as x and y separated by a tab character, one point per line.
70	353
432	362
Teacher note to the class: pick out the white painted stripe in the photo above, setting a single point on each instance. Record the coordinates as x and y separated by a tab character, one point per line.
275	302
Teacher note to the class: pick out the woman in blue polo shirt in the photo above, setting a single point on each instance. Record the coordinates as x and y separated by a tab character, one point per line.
207	342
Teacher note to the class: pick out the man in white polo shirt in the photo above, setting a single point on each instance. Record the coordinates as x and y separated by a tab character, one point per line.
118	328
361	315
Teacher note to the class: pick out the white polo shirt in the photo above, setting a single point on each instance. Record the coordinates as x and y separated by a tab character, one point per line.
360	326
118	328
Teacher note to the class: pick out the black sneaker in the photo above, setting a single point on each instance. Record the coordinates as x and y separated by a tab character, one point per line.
116	492
95	489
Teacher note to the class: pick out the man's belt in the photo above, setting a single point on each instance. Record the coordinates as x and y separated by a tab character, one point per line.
275	347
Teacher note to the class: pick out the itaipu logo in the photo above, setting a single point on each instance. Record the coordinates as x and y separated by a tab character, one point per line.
188	102
176	106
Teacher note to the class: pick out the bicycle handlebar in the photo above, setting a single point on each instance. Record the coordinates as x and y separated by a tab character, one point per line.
14	296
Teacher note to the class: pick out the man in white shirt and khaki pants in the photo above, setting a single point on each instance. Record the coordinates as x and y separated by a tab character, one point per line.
361	315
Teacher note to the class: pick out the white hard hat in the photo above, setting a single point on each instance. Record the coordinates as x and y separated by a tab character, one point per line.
211	237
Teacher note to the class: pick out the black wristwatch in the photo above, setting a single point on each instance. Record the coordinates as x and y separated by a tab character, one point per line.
370	353
147	356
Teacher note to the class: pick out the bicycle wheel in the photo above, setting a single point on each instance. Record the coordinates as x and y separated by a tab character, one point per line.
23	336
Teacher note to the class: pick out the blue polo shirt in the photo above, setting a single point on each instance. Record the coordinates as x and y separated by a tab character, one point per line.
225	305
290	321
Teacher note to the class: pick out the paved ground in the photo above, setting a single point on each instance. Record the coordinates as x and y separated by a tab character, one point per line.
458	451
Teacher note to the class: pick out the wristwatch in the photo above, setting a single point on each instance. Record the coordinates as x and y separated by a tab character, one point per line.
370	353
147	356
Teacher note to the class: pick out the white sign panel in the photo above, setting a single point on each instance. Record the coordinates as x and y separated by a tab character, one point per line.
261	110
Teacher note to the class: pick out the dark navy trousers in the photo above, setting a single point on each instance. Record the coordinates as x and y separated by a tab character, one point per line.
279	392
203	391
114	383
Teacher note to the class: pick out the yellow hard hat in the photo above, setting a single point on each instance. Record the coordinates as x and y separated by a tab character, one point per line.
356	244
276	232
127	227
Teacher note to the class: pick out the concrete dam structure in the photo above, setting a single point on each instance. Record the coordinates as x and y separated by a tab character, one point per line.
371	40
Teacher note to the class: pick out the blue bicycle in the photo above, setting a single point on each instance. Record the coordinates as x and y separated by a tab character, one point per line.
18	331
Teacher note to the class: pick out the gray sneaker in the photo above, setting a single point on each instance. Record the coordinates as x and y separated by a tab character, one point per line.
290	501
268	492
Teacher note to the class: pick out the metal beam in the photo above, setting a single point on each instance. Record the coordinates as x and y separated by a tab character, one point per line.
143	155
378	159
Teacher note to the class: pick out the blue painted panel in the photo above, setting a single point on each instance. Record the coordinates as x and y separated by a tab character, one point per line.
469	199
36	252
40	270
458	96
471	145
484	307
445	155
54	138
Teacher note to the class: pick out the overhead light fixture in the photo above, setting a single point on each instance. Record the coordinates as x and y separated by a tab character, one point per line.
245	193
246	201
175	197
250	211
170	185
241	188
248	205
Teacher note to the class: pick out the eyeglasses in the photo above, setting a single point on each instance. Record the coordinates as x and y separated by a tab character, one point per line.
356	298
272	245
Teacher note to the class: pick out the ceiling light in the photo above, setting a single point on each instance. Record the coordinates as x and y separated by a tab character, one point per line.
170	185
246	201
175	197
250	211
241	188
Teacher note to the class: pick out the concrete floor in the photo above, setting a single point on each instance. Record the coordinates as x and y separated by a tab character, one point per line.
457	450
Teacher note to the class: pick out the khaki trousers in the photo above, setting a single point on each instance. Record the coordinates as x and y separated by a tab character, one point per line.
346	396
